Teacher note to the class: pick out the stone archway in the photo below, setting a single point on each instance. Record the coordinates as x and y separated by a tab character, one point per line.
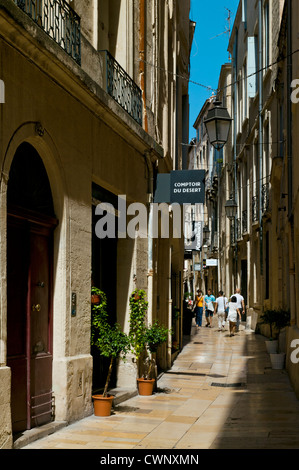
30	226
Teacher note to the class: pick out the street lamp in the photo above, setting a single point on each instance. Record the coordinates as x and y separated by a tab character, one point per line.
218	123
231	208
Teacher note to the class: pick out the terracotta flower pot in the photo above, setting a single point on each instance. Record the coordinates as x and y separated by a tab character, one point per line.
95	299
102	405
145	386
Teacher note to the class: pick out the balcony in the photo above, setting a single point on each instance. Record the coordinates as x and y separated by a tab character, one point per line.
239	230
121	87
265	198
255	209
244	222
232	233
58	20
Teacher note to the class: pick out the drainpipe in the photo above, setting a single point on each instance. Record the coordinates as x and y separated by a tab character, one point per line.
169	309
260	79
289	106
3	189
142	31
150	192
220	285
290	164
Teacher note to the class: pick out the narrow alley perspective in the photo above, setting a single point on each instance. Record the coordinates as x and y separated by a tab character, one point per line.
220	393
148	155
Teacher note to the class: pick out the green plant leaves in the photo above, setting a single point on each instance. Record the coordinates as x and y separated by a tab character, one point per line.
156	335
138	312
108	339
279	318
142	336
112	342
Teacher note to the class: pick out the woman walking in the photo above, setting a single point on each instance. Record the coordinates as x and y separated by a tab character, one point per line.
198	304
233	315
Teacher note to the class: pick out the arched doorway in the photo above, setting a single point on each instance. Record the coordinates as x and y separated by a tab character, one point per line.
30	226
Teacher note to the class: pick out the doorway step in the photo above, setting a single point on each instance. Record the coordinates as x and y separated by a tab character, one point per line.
26	437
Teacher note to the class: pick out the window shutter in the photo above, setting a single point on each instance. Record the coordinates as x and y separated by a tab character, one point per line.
244	13
252	66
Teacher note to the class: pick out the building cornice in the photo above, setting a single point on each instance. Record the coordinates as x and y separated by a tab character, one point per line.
21	33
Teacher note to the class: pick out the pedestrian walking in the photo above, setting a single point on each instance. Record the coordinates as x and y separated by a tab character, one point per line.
198	308
220	308
240	306
226	309
233	315
209	307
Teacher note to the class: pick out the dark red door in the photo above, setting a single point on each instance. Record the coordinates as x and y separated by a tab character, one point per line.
17	279
29	314
40	327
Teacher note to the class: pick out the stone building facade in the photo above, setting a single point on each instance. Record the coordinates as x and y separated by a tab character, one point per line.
285	185
263	46
214	257
258	249
93	110
253	47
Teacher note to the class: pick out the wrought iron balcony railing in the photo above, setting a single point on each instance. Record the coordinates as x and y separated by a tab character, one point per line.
122	88
239	231
265	197
244	222
58	20
232	233
254	209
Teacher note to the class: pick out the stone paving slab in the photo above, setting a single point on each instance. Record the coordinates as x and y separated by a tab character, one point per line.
220	393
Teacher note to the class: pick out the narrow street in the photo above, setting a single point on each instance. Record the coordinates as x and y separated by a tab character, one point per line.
221	393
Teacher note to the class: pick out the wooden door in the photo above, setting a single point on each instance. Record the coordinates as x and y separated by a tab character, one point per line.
29	314
40	327
17	276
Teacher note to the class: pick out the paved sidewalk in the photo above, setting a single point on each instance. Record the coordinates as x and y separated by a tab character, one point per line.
220	393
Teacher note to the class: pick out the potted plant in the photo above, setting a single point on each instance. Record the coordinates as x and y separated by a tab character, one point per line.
282	319
144	341
156	335
95	295
268	318
276	319
111	342
176	313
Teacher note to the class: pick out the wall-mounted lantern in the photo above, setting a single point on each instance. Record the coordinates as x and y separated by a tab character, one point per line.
218	122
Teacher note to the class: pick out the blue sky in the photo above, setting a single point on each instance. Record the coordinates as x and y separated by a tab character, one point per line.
209	49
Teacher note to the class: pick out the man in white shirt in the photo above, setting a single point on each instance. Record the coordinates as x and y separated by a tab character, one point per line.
220	306
240	305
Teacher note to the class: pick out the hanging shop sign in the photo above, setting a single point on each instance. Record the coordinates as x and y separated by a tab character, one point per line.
181	187
212	262
187	187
